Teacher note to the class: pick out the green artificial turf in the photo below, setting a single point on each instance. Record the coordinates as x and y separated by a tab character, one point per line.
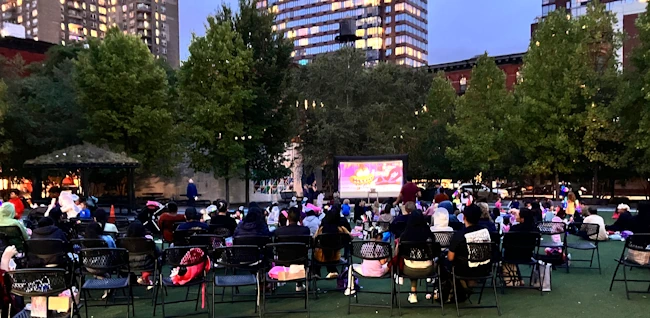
580	293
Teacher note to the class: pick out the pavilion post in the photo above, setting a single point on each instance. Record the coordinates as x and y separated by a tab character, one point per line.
131	189
37	186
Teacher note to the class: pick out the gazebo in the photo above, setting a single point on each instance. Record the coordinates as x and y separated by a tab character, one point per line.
85	156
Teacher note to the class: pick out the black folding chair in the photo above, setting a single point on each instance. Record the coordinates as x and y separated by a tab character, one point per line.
80	227
221	231
420	252
444	238
103	262
588	233
142	257
519	248
480	253
243	259
42	282
287	254
12	235
174	257
634	255
182	237
329	245
371	251
547	229
257	240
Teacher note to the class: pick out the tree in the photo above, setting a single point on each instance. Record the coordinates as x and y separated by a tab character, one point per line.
478	131
550	140
215	89
124	91
5	145
433	139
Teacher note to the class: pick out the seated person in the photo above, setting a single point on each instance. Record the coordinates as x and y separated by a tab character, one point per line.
440	221
167	220
400	221
47	230
95	230
623	219
193	221
368	268
525	222
486	219
458	252
7	218
311	220
331	224
253	224
102	217
136	229
293	229
417	230
594	218
222	219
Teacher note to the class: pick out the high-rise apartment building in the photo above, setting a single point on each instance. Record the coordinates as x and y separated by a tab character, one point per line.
66	21
388	30
626	12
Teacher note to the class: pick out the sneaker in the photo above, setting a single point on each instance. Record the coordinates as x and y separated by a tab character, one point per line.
349	292
332	275
399	280
300	287
413	298
106	292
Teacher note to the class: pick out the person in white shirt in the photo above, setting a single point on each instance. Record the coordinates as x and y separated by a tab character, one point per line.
594	218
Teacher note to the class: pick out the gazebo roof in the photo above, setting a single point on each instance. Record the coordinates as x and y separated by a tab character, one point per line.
82	156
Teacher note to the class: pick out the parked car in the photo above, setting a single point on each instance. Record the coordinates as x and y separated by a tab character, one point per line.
483	190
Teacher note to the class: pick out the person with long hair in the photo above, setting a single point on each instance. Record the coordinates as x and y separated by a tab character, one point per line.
253	223
95	230
417	230
101	217
572	204
331	224
525	222
136	229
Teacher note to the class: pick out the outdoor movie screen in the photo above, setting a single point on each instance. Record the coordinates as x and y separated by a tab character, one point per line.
359	177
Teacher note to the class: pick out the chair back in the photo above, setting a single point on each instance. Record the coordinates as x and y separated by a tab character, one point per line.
39	282
551	228
43	252
99	261
287	254
419	251
304	239
480	252
142	252
182	237
371	250
638	242
212	241
221	231
520	247
257	240
122	223
12	235
79	244
240	256
590	229
80	228
176	256
444	238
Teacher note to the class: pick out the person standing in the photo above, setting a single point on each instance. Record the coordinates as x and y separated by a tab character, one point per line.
409	193
192	193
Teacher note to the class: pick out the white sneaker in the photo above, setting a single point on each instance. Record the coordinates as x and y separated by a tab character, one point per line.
413	298
105	294
300	288
349	292
399	280
332	275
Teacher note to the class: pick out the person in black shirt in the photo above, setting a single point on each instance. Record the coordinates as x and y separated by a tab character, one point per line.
293	229
458	252
400	221
417	230
222	219
526	222
47	230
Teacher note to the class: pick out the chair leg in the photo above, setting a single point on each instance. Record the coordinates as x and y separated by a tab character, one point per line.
496	297
442	302
392	295
598	255
480	295
455	292
132	301
213	305
307	294
399	291
541	282
198	296
163	298
86	296
614	276
627	291
592	257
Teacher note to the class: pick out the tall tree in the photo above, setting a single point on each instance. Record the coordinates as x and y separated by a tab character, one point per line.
123	91
478	131
215	88
551	85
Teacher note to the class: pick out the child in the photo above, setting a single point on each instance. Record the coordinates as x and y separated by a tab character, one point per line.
345	208
368	268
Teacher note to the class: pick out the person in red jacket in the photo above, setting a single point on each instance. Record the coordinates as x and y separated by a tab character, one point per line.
14	197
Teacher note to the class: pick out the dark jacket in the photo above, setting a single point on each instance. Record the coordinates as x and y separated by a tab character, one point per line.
292	230
489	225
625	222
251	229
49	232
224	221
191	191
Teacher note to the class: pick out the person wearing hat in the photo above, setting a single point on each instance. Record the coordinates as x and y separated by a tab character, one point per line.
624	221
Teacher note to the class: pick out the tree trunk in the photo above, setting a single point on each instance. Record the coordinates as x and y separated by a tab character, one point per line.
595	189
557	185
248	186
612	188
228	190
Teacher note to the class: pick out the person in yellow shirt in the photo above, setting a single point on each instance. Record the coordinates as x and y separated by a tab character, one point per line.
572	204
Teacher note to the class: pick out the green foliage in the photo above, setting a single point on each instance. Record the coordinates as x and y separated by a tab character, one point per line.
478	131
123	92
215	89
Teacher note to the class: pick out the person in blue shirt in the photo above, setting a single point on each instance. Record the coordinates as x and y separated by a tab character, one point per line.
191	192
345	208
95	230
193	221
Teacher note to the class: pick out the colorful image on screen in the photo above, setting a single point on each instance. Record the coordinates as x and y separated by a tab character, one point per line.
358	178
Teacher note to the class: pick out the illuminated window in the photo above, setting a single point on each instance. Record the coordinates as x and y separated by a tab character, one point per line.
303	42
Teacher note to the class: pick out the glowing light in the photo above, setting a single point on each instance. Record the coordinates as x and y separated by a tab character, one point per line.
537	43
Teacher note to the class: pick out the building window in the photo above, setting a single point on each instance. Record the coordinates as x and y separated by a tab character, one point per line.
388	9
463	84
389	52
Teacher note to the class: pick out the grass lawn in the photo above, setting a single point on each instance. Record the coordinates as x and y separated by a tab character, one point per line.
580	293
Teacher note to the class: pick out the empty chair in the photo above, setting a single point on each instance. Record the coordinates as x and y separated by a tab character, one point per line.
242	265
104	262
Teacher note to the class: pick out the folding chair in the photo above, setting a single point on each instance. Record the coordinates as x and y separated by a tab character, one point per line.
329	244
102	262
420	252
221	231
143	257
482	253
175	257
634	255
588	242
371	251
519	248
547	229
12	235
246	258
287	254
444	238
182	237
42	282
